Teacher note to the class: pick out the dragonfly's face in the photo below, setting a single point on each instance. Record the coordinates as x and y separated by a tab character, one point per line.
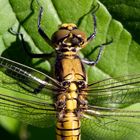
68	38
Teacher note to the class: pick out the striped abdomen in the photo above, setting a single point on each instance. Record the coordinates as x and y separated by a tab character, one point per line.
68	128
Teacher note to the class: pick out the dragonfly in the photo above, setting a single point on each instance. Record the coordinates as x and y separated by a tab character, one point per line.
68	100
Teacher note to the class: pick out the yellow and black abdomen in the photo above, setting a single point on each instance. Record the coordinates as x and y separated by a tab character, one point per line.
68	123
68	128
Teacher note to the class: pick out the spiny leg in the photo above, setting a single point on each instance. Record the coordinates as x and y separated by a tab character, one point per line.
94	23
92	63
40	30
90	39
94	33
23	44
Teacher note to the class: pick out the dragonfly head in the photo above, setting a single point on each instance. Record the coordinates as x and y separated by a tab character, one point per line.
69	38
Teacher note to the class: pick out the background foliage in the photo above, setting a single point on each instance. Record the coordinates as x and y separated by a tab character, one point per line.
117	20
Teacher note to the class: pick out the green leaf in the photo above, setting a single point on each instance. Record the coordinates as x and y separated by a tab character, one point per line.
128	13
119	58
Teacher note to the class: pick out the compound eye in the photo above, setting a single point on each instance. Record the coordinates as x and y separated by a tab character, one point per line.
60	35
80	35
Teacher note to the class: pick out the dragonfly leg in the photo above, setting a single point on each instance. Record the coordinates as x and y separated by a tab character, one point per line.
94	33
93	10
40	30
23	44
88	62
92	63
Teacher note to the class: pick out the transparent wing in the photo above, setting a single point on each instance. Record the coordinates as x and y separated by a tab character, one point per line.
27	77
111	124
30	109
17	97
115	92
